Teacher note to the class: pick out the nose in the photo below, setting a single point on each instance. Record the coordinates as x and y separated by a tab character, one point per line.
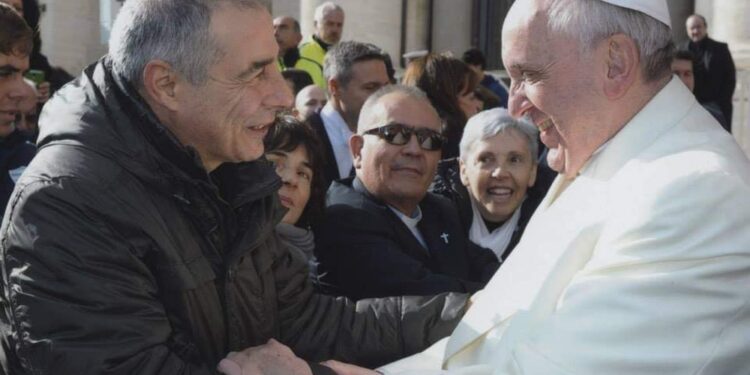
500	171
412	147
279	95
288	177
518	103
18	90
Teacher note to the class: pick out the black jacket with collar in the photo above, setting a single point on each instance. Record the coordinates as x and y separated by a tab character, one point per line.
715	75
365	249
121	255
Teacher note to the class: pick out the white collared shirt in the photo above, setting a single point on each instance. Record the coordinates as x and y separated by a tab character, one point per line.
339	134
411	223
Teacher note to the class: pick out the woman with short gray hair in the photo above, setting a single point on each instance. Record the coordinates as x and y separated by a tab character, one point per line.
492	182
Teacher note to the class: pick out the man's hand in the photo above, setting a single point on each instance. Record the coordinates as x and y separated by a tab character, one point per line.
347	369
272	358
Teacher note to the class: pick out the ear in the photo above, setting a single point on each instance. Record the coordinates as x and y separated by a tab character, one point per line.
334	89
622	63
356	142
160	83
532	177
464	175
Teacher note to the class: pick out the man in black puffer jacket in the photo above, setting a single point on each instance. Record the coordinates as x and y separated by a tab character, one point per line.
140	240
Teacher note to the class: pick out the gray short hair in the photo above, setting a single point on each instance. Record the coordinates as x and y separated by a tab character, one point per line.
340	59
175	31
592	21
368	113
326	8
489	123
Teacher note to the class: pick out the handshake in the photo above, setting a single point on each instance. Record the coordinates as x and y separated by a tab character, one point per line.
274	358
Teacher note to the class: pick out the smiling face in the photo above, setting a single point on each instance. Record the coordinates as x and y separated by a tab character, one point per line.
497	172
553	84
296	175
226	118
398	175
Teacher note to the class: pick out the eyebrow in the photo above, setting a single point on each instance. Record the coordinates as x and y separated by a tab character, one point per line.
254	67
9	68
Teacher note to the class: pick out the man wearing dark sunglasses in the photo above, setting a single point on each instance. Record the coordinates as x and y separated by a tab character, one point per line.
384	234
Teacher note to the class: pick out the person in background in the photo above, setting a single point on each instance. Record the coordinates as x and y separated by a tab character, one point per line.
26	120
450	84
15	95
329	26
683	66
383	234
296	79
475	59
288	35
354	71
493	181
308	102
715	74
294	149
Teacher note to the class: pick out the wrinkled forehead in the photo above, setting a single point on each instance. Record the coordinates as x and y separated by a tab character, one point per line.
526	18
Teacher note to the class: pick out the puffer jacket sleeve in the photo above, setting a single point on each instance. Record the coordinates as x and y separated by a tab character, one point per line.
369	332
77	299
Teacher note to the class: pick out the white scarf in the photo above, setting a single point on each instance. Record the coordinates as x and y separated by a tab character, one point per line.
499	239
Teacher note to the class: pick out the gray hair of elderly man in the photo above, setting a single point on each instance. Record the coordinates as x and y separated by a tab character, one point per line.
591	21
341	58
175	31
326	8
489	123
370	115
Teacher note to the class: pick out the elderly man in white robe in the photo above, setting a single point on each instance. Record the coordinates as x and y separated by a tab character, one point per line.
638	259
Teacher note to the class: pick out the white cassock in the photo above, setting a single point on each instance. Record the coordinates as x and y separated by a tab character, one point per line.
640	266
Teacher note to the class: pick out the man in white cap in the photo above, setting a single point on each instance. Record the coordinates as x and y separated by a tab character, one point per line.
638	259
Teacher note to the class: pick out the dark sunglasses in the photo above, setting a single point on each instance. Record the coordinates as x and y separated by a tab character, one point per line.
400	134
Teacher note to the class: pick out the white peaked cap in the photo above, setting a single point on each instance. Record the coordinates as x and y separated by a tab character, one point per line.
655	8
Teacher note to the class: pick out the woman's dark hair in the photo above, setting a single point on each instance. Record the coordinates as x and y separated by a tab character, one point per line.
287	134
444	78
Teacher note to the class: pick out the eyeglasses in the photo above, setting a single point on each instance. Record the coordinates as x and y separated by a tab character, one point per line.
400	134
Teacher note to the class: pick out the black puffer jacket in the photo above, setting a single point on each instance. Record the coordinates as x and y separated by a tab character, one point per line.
120	255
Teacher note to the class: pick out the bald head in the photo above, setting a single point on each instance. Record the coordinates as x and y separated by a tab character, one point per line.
375	110
309	101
